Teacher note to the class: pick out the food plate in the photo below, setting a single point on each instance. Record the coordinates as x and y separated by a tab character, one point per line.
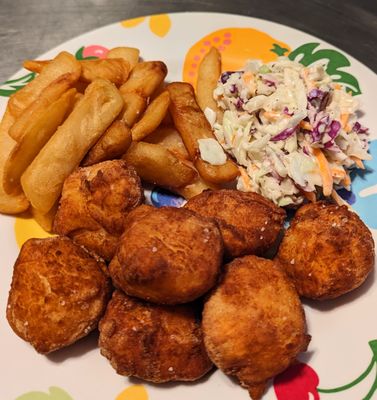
341	362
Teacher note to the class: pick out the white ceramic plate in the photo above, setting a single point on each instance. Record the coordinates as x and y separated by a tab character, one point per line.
344	331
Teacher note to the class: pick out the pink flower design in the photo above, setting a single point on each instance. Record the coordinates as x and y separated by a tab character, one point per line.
297	382
95	51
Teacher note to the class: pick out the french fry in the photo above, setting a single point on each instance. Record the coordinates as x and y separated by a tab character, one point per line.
49	94
170	138
152	117
134	106
9	204
116	70
192	126
144	79
63	63
36	134
129	54
112	144
196	187
155	164
45	221
43	180
208	74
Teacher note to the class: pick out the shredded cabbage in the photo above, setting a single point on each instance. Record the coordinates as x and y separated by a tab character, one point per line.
274	115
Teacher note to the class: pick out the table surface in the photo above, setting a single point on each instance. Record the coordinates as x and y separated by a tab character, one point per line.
29	28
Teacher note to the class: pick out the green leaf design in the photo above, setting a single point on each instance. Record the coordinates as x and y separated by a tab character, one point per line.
79	55
55	393
12	86
307	55
277	49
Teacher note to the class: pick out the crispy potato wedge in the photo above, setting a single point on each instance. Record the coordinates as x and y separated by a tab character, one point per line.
9	204
43	179
111	145
130	54
45	221
196	187
192	126
155	164
49	95
36	135
169	137
144	79
63	63
116	70
152	117
208	74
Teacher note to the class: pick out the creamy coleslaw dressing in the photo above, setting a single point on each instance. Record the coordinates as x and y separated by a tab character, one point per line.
275	114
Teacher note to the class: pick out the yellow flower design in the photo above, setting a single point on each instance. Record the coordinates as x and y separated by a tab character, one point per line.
159	24
134	392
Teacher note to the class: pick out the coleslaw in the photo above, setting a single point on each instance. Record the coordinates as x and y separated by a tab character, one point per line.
291	129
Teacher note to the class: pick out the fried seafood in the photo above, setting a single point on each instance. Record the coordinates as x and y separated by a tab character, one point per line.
327	251
153	342
170	256
253	323
58	293
249	223
94	204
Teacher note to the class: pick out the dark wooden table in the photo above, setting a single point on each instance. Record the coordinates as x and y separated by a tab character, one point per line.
31	27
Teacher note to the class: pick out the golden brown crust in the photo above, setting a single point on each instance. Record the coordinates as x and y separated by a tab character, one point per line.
168	256
327	251
249	223
94	204
58	293
153	342
253	323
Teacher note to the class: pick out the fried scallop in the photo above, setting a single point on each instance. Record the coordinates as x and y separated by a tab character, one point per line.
58	293
249	223
153	342
253	323
327	251
94	204
167	255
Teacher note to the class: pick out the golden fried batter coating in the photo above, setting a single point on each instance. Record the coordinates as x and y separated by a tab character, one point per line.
253	323
58	293
94	204
153	342
327	251
249	223
168	255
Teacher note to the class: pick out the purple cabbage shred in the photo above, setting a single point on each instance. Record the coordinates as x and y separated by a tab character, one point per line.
283	135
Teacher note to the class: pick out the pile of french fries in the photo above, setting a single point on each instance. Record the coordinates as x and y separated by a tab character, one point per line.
78	113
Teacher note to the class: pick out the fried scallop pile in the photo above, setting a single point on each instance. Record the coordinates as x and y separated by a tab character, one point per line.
170	256
167	264
153	342
249	223
58	293
94	204
327	251
253	322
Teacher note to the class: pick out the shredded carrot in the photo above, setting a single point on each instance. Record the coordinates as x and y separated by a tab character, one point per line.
338	173
338	200
346	180
338	86
344	120
273	115
245	178
306	125
309	83
311	196
358	162
248	78
324	170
